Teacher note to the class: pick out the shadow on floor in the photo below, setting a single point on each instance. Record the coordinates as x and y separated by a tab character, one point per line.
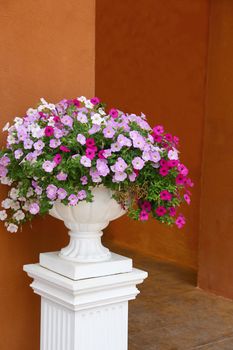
172	314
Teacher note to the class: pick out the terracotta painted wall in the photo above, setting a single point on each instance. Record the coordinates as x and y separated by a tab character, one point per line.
46	49
151	57
216	240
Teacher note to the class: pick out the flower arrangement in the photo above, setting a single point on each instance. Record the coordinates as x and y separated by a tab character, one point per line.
61	151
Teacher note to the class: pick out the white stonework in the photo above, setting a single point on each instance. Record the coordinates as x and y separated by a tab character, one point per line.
86	314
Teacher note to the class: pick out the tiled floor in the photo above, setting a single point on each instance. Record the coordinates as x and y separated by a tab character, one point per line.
171	314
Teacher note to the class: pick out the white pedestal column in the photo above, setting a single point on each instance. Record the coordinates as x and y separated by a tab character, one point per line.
84	313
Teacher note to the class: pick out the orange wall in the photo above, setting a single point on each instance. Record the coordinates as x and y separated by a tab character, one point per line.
151	57
46	49
216	240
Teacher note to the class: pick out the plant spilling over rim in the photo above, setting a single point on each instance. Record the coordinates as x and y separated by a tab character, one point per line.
60	152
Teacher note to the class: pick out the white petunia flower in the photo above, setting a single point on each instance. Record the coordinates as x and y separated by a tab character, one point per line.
12	228
88	104
3	215
30	192
97	119
82	98
6	181
173	154
6	204
15	205
11	140
18	121
19	215
6	127
101	111
14	192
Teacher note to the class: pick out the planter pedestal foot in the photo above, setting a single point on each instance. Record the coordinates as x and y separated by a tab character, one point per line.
85	313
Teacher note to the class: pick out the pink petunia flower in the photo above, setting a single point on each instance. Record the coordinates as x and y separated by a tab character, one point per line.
187	198
158	130
90	142
57	159
90	153
165	195
113	113
172	211
64	149
95	100
163	171
49	131
161	211
146	205
143	216
180	221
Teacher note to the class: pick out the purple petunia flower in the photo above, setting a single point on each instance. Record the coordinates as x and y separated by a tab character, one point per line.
62	176
51	192
73	200
138	163
61	193
48	166
81	139
34	208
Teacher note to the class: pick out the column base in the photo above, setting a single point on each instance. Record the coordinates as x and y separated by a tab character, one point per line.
86	314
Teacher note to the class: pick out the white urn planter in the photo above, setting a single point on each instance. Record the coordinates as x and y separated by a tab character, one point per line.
85	288
85	222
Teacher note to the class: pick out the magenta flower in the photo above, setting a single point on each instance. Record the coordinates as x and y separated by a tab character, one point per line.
165	195
176	140
113	113
157	138
172	211
62	176
187	198
51	192
56	118
73	200
90	142
143	216
158	130
163	171
138	163
95	100
172	163
61	193
180	179
34	208
168	137
182	169
180	221
101	154
161	211
64	149
57	159
146	206
49	131
90	153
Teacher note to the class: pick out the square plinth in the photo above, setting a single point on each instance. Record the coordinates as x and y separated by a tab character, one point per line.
76	271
